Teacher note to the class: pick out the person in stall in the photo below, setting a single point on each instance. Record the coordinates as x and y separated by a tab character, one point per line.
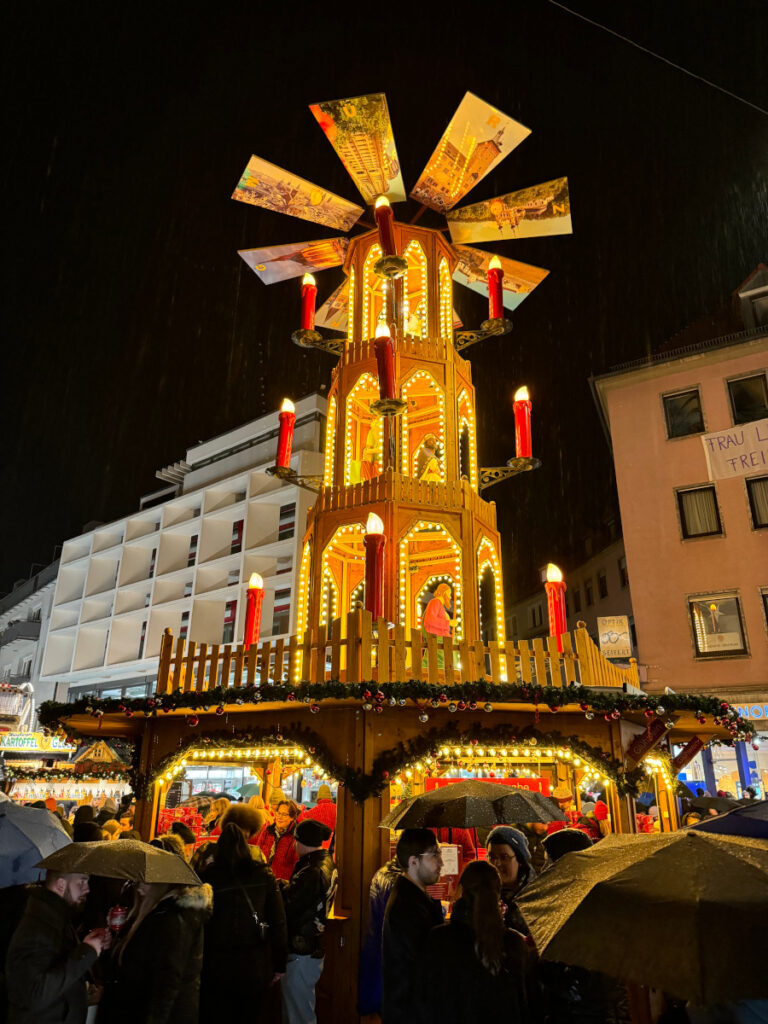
276	841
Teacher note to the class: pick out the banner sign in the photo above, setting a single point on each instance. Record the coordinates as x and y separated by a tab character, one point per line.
687	754
647	740
537	785
615	639
738	451
34	742
753	711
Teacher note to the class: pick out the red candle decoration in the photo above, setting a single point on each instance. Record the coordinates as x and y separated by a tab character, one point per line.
374	542
255	599
522	407
555	590
495	289
285	437
308	296
385	220
385	361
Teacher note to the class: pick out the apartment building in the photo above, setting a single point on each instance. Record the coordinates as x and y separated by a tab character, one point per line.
694	511
183	559
24	618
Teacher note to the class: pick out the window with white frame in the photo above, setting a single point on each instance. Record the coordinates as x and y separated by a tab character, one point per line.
717	624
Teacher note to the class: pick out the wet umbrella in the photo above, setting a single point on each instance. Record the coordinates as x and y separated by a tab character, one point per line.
469	803
714	803
650	910
249	789
749	820
26	835
199	800
130	858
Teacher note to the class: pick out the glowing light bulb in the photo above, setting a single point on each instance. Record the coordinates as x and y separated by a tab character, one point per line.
308	279
495	263
521	395
287	406
374	524
554	574
382	331
255	582
381	201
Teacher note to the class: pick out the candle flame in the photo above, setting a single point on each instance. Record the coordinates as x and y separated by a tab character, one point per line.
381	201
495	263
521	395
554	574
382	331
308	279
287	406
375	524
255	582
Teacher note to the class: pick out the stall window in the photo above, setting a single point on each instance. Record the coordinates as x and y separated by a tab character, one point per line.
749	398
699	514
683	413
757	490
717	625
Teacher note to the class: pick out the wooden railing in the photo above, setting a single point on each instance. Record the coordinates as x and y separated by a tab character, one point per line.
385	653
392	486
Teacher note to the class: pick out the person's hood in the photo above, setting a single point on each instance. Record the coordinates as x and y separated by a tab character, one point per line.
193	897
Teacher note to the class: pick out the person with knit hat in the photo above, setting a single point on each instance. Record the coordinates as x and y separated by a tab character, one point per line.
324	811
509	853
308	898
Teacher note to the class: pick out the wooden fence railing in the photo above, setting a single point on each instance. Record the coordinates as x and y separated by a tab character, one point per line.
384	653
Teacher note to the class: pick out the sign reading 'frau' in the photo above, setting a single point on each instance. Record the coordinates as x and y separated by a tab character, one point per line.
738	451
754	711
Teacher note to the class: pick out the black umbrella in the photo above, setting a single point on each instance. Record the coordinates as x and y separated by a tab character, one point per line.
749	820
714	803
472	803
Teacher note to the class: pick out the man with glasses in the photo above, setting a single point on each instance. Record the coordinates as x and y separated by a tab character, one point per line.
410	915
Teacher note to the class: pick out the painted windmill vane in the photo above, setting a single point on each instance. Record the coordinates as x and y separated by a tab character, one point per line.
395	299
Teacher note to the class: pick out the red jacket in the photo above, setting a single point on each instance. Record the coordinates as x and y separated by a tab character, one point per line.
325	812
281	855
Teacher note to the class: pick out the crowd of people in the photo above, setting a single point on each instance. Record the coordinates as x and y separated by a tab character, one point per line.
72	952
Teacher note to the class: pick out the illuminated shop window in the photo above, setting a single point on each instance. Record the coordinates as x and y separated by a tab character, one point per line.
445	288
363	441
415	313
467	438
429	556
718	626
423	428
330	443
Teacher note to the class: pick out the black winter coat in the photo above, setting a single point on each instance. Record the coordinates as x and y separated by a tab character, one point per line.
46	966
459	990
235	947
308	898
158	978
410	916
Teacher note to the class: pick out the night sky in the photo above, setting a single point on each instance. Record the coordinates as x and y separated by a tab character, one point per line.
131	329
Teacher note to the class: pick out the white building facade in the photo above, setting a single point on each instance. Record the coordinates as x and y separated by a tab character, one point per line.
183	560
24	618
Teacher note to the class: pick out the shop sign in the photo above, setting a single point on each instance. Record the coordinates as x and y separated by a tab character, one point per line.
754	711
646	741
738	451
687	754
34	742
615	639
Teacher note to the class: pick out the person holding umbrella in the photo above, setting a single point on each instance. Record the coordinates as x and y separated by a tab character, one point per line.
47	965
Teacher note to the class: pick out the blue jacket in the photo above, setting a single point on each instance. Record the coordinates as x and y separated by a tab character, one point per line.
369	977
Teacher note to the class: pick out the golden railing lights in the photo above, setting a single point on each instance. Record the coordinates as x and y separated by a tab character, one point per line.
293	758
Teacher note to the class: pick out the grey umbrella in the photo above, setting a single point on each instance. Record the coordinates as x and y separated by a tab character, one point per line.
128	858
26	835
472	803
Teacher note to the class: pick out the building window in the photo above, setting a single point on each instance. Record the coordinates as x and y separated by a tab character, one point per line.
188	588
152	563
514	625
36	614
683	413
192	556
287	525
281	613
717	625
749	398
588	593
26	668
576	601
184	628
764	595
239	496
602	583
233	576
757	489
147	598
284	565
623	574
699	514
230	614
142	639
237	537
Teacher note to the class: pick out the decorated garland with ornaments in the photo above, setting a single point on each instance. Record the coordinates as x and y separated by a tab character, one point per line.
107	773
374	697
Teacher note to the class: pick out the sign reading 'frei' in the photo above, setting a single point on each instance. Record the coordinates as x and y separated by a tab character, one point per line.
738	451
